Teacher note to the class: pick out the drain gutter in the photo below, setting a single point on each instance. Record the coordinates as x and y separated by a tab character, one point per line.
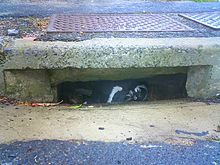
200	55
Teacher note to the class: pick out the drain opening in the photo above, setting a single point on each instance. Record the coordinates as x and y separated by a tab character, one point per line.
106	91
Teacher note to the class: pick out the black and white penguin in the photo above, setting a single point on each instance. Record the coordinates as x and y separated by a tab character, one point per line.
139	93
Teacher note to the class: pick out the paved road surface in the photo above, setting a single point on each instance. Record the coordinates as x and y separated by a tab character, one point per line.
46	9
65	152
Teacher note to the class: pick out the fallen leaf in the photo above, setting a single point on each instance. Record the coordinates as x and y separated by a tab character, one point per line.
29	38
76	106
45	104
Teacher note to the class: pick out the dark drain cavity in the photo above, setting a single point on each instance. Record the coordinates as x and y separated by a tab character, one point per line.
147	89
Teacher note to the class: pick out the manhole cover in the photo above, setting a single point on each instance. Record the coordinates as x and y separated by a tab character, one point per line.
209	19
114	22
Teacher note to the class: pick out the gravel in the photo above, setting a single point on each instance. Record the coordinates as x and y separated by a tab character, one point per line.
33	20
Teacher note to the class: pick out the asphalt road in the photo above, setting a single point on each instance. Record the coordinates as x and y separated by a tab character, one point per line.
123	6
66	152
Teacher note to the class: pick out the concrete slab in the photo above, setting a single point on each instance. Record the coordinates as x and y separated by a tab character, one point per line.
58	61
147	122
156	55
113	53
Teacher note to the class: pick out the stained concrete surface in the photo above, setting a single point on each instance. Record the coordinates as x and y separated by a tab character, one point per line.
162	132
145	122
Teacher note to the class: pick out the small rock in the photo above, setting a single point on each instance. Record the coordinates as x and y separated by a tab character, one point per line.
29	38
13	32
101	128
214	163
7	163
10	120
12	156
7	50
150	146
129	138
152	126
218	128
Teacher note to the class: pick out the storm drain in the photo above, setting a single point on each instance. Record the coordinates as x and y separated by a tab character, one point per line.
158	87
209	19
114	23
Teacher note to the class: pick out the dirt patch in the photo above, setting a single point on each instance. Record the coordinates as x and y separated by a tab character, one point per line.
28	27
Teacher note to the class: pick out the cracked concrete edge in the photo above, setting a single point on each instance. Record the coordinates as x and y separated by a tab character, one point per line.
4	42
113	53
128	42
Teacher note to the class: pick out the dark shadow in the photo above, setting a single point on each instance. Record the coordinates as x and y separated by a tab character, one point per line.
91	92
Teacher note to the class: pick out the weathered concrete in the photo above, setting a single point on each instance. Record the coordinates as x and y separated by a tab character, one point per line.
29	85
41	85
152	121
203	81
59	76
97	57
4	41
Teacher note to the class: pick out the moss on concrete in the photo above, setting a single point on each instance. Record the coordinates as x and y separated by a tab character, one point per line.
28	85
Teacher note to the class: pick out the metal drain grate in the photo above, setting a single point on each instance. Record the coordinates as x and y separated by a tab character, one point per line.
209	19
114	22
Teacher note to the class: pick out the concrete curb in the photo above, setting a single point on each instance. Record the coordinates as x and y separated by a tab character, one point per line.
113	53
201	56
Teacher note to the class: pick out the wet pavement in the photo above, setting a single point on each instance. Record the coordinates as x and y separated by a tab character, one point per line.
163	133
83	152
156	121
48	8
